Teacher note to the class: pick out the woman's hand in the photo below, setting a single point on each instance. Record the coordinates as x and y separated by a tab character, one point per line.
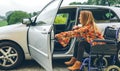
75	27
56	36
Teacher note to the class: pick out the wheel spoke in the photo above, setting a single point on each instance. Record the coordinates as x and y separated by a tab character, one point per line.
12	55
119	58
119	55
11	60
1	57
9	49
4	62
2	51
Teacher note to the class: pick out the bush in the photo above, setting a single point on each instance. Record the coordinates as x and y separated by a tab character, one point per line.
16	17
3	23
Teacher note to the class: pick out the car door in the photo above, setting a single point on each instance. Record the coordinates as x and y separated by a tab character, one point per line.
40	36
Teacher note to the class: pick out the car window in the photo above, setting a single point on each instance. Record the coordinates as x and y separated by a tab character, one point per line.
48	14
102	15
113	16
61	18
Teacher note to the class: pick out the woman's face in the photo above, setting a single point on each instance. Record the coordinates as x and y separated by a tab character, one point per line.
80	19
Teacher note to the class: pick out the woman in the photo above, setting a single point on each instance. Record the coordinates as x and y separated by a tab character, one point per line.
88	31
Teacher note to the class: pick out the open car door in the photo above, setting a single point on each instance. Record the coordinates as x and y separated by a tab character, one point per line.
40	36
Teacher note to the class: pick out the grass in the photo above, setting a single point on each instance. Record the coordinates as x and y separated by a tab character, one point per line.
3	23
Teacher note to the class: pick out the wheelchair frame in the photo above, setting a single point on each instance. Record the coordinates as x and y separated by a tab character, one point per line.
101	53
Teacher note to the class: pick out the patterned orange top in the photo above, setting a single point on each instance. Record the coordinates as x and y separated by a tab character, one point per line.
86	32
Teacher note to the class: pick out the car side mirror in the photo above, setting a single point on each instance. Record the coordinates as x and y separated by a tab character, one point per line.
26	21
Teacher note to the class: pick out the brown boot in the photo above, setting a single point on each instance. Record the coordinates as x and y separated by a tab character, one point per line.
76	66
71	62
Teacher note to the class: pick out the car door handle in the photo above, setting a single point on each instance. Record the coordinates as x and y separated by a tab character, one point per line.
45	32
52	39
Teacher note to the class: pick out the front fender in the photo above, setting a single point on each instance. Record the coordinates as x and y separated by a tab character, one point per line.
18	36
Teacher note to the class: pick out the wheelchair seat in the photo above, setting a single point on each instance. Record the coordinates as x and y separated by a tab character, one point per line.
110	39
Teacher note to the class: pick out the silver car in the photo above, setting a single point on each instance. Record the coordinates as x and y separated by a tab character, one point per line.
35	37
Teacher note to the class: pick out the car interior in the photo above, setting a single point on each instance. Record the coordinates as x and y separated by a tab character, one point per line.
66	26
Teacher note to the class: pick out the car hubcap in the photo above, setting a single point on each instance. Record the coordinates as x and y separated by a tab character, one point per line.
8	56
119	55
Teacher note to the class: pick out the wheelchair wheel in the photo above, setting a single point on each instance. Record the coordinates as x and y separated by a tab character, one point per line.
97	62
118	56
112	68
85	68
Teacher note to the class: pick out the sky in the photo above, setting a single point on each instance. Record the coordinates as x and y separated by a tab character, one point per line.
27	5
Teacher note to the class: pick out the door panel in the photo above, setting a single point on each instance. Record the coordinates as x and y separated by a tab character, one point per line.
40	36
39	46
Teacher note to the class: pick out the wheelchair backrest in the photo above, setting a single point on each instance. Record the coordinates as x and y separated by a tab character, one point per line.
111	33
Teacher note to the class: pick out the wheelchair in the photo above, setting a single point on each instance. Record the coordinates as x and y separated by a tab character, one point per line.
99	51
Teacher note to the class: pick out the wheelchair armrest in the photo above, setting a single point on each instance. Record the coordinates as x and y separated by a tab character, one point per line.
105	40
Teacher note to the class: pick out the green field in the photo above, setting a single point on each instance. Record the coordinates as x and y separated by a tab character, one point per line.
3	23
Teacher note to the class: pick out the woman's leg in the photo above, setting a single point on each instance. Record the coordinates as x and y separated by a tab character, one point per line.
79	48
80	52
73	59
83	46
75	49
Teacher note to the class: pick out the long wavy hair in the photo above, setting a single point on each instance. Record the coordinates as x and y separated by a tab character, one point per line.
88	19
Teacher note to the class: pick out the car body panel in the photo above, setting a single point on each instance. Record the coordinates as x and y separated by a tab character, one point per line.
40	36
39	46
16	33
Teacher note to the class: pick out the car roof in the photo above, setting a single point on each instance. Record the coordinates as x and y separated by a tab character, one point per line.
97	6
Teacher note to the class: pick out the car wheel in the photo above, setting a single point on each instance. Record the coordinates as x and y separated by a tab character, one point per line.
11	55
112	68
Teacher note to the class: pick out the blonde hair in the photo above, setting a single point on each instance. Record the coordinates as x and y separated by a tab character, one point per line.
87	18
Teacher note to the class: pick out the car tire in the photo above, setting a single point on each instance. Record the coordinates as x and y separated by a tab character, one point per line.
11	55
112	68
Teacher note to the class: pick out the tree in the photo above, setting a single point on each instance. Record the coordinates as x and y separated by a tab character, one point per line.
75	3
16	17
98	2
103	2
